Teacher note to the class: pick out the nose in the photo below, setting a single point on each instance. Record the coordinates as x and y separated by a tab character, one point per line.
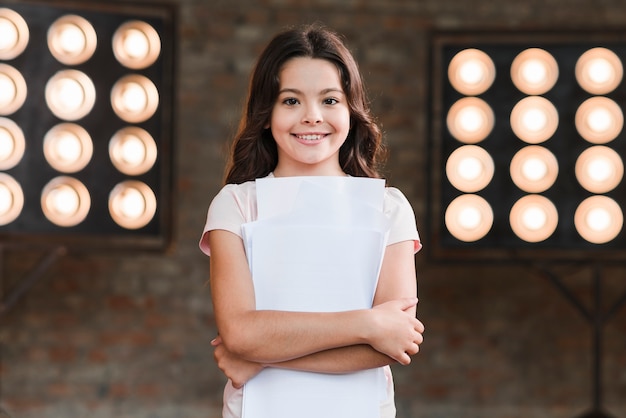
312	115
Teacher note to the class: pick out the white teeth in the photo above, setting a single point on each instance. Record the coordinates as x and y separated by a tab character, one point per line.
310	137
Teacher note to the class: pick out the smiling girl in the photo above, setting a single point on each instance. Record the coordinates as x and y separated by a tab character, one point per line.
307	115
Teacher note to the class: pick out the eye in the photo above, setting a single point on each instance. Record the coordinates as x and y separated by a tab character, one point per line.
330	101
290	101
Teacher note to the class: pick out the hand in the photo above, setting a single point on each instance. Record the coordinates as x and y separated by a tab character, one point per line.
396	332
238	370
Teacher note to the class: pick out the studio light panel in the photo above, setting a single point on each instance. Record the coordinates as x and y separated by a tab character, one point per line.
528	144
86	112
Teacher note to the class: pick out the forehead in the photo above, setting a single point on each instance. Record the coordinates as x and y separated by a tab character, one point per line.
309	71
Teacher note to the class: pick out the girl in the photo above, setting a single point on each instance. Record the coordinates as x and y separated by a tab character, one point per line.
307	115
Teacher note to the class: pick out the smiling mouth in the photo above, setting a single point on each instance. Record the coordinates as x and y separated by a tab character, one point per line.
311	137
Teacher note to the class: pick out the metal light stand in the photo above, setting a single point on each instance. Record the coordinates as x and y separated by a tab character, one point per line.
25	284
597	319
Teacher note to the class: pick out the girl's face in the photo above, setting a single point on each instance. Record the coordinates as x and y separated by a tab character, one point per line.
310	119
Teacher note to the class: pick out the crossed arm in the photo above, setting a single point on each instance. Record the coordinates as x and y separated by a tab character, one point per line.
334	342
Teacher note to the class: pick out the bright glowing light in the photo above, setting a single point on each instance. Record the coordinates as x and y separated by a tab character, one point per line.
599	71
599	219
11	199
14	34
136	44
534	119
6	199
70	94
534	169
599	120
68	147
470	168
133	151
8	34
471	72
65	201
470	120
132	204
72	40
533	218
469	217
534	71
134	98
12	90
12	144
599	169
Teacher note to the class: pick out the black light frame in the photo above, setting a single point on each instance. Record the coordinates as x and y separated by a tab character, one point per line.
98	230
501	243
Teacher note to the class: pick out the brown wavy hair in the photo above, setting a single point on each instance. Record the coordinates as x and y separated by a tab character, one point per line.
254	153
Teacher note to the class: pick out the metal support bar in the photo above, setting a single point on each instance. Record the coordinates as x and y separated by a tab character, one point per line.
597	320
29	280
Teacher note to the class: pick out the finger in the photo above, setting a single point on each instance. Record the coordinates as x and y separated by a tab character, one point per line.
403	359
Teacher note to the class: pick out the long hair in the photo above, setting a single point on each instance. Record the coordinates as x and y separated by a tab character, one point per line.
254	152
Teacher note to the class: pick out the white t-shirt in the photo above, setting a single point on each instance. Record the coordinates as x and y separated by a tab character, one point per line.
235	205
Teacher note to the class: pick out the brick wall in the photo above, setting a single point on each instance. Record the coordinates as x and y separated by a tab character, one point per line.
128	336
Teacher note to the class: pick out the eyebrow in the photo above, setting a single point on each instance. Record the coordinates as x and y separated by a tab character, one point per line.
324	91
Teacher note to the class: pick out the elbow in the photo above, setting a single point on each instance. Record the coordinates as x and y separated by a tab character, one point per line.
239	341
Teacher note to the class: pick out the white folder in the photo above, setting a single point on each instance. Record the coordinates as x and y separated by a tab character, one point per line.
317	246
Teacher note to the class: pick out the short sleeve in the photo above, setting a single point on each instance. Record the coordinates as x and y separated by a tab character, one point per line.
234	205
399	211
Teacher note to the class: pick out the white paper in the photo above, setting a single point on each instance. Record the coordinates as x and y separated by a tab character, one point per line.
317	247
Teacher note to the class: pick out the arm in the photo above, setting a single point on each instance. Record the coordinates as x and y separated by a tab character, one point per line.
269	337
396	281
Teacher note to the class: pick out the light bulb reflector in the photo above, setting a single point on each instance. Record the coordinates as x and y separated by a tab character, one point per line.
12	144
136	44
471	72
68	147
469	168
11	199
12	90
132	204
70	94
469	217
470	120
599	169
534	169
534	71
599	71
72	40
65	201
14	34
598	219
534	119
134	98
599	120
533	218
133	151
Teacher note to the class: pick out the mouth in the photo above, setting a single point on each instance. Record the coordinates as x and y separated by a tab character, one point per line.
310	137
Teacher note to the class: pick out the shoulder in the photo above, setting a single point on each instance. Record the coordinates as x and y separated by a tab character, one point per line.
395	201
233	206
399	211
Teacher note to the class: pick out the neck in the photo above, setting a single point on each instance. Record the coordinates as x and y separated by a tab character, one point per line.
284	171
